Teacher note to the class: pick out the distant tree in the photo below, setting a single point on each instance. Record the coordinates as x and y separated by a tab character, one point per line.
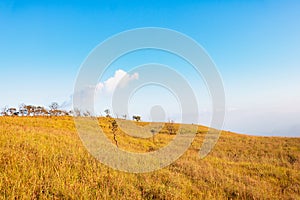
12	112
54	106
40	111
22	109
107	112
170	127
70	113
87	113
54	109
65	113
4	111
124	116
77	112
136	118
30	110
153	134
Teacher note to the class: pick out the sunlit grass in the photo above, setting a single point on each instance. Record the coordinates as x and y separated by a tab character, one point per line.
43	158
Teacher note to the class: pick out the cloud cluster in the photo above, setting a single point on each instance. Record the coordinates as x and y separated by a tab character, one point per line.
120	78
94	98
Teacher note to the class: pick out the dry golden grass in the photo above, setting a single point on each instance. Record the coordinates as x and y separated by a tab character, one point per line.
43	158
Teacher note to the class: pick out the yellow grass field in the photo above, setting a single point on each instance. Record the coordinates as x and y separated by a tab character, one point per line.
43	158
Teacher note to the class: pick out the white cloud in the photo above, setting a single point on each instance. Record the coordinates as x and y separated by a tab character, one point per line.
110	84
102	92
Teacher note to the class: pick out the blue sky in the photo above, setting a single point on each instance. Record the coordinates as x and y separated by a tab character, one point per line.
255	46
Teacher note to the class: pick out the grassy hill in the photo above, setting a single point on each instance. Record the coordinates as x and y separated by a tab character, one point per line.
43	158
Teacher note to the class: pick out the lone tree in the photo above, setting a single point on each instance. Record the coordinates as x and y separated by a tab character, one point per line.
114	129
136	118
107	112
153	134
170	127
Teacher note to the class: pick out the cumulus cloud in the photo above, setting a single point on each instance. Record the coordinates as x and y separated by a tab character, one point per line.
110	84
99	96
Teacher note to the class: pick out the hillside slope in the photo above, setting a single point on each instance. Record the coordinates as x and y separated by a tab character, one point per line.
43	158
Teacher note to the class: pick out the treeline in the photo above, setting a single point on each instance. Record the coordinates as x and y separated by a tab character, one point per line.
53	110
30	110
